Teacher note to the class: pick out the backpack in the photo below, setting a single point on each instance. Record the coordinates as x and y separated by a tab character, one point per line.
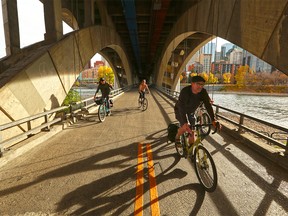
172	131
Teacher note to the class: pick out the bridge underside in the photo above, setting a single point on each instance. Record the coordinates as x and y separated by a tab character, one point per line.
29	79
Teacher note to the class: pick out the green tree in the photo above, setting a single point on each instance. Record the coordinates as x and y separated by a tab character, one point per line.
72	96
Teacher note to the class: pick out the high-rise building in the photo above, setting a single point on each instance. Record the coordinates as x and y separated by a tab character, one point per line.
209	48
236	56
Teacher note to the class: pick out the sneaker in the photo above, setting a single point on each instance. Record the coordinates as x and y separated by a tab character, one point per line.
108	113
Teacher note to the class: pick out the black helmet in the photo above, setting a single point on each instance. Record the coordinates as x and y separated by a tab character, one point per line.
197	79
102	79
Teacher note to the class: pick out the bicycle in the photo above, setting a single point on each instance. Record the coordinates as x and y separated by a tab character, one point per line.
103	110
143	103
204	164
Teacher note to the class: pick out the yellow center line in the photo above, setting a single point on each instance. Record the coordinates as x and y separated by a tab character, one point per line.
155	210
138	209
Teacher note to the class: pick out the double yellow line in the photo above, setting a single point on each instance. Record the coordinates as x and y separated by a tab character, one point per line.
154	204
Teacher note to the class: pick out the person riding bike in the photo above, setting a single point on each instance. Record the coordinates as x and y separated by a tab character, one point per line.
142	89
189	99
105	90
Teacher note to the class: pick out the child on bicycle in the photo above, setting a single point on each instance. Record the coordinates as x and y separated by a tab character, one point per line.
189	99
142	89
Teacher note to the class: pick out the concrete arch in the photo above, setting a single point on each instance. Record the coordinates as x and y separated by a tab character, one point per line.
256	26
68	17
44	82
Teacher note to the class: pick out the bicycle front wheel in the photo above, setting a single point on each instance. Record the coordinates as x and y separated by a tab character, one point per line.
102	112
205	168
144	104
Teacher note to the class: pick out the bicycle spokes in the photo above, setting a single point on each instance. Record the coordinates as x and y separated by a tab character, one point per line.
205	169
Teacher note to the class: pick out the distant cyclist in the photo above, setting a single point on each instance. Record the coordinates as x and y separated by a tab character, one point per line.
105	89
143	87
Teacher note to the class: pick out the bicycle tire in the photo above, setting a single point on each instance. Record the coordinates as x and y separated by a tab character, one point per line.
139	102
205	168
102	112
180	149
144	104
206	120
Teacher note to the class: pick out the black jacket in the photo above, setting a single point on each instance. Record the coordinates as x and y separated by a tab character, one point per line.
105	89
188	102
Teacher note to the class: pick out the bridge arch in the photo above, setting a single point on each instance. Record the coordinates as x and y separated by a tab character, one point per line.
49	72
239	24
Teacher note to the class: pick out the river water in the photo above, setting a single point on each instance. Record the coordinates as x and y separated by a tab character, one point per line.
270	108
273	109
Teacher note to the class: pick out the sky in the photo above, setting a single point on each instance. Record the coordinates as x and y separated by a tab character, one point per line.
32	27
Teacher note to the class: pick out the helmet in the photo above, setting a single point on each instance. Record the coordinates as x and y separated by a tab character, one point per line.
102	79
197	79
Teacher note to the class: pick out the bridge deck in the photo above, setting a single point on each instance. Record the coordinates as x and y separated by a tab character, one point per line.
90	169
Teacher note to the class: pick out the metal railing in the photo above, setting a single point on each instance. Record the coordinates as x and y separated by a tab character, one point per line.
241	126
69	112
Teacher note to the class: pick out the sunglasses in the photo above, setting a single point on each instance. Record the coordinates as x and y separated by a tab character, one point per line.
200	84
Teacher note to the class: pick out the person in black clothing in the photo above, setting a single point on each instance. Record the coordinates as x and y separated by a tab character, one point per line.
189	99
105	89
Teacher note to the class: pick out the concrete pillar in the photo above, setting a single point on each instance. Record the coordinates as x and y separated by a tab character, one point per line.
53	20
88	12
11	26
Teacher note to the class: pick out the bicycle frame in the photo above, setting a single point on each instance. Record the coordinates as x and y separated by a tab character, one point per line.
190	148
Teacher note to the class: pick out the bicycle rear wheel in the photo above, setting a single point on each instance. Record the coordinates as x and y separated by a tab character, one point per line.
144	104
139	102
205	168
102	112
206	121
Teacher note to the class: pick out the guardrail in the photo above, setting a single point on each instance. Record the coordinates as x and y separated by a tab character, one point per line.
241	126
73	110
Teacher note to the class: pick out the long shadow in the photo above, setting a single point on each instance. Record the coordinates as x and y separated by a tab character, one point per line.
159	144
271	190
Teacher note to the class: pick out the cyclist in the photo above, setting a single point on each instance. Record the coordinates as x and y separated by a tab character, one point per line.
189	99
105	90
142	89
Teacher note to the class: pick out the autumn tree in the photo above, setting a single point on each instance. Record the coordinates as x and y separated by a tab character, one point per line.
226	78
240	76
107	73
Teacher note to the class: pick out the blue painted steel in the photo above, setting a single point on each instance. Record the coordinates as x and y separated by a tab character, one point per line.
130	16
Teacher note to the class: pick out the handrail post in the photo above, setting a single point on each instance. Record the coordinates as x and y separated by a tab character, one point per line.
241	120
29	125
286	147
1	148
217	110
46	121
